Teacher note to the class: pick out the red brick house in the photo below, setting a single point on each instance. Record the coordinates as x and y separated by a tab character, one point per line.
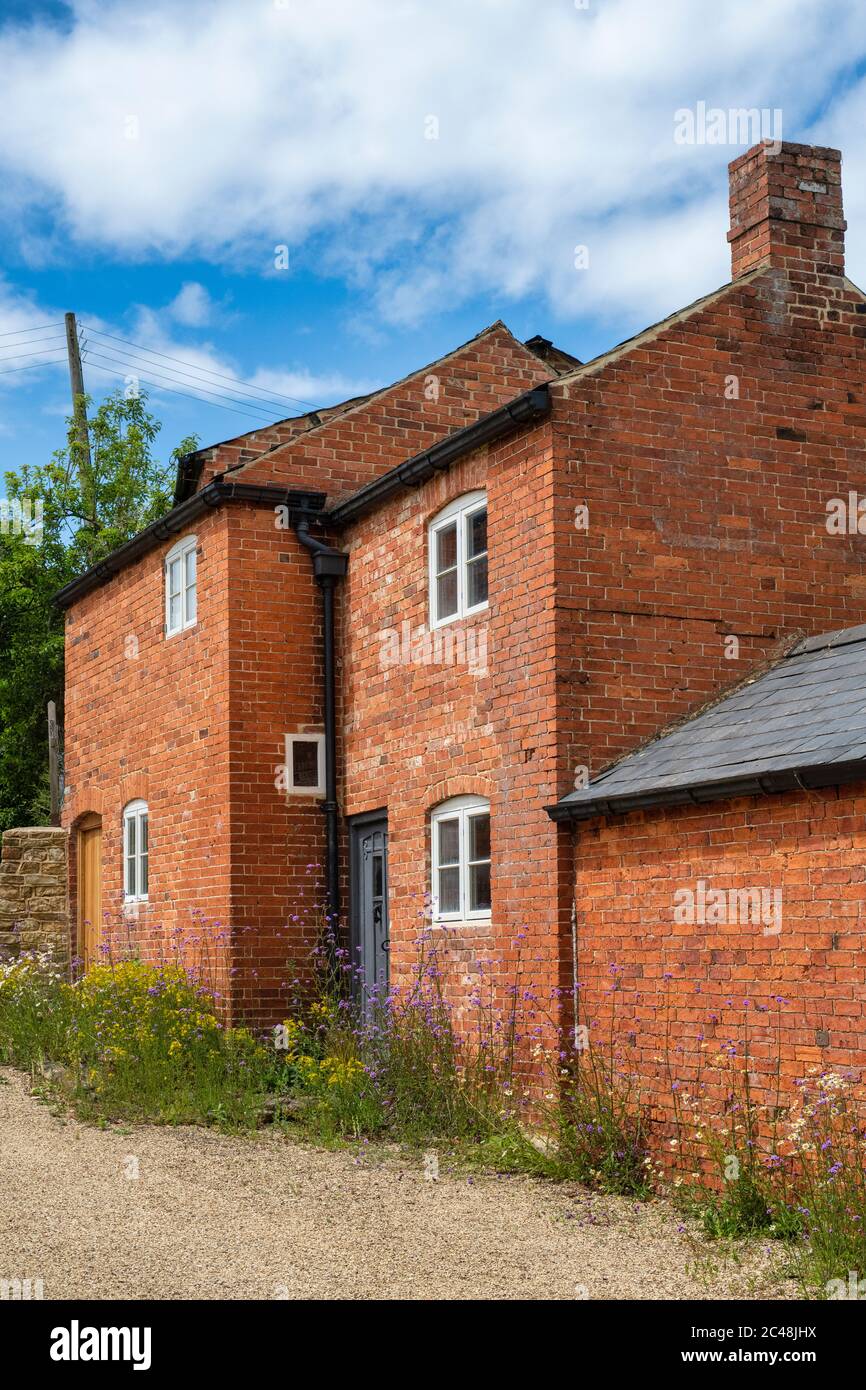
441	607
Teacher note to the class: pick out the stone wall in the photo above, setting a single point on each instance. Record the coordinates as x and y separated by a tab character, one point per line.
34	905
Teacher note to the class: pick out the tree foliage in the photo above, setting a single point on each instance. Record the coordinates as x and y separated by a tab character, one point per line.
88	508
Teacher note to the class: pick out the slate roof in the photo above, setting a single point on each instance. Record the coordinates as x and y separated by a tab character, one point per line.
801	723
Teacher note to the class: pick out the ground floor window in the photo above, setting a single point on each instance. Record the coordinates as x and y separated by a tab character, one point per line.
460	856
135	852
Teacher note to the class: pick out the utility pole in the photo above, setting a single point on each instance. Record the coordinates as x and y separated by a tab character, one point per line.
53	763
76	381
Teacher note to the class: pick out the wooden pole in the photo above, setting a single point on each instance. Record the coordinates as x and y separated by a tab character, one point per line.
76	381
53	763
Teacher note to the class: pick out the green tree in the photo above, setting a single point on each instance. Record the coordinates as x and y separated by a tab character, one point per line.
88	508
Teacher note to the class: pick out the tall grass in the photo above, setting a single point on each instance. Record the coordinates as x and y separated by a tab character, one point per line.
409	1067
786	1163
35	1010
134	1042
824	1148
398	1064
603	1136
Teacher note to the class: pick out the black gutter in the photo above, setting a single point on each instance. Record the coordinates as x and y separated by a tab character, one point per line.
329	567
525	410
809	778
179	518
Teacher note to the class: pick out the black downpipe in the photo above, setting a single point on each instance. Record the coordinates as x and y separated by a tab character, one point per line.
329	567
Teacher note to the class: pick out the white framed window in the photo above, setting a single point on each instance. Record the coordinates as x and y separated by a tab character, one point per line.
181	602
457	547
460	857
135	852
305	764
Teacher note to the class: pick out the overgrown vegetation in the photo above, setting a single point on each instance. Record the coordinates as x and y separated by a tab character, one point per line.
145	1042
134	1042
792	1168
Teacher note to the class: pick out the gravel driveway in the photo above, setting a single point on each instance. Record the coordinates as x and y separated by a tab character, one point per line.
210	1216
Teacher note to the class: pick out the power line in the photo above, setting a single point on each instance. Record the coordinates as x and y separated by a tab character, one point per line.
293	400
233	410
43	338
125	371
19	332
184	378
114	370
30	366
10	356
267	411
260	421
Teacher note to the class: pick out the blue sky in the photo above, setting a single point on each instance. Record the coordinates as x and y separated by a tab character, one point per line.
429	169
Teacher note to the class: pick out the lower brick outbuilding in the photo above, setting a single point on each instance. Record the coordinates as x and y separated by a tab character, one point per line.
720	886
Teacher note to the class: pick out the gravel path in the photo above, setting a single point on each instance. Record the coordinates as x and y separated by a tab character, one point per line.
211	1216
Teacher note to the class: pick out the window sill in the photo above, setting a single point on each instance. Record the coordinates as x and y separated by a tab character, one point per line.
437	623
443	924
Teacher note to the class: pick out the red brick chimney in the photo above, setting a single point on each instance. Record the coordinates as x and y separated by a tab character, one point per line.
786	210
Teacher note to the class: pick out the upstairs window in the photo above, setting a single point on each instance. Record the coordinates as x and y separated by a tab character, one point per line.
181	607
135	852
460	856
457	544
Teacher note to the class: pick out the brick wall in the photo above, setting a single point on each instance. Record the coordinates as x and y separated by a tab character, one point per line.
706	454
706	451
277	840
34	913
420	730
417	730
148	717
355	447
678	990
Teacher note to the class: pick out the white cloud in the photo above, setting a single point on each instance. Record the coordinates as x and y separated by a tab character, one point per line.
146	350
31	338
844	128
192	306
312	387
144	347
220	130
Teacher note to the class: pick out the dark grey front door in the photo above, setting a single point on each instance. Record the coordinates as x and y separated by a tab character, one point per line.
369	866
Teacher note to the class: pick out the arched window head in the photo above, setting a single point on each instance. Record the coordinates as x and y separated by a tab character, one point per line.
460	858
181	604
135	852
457	545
